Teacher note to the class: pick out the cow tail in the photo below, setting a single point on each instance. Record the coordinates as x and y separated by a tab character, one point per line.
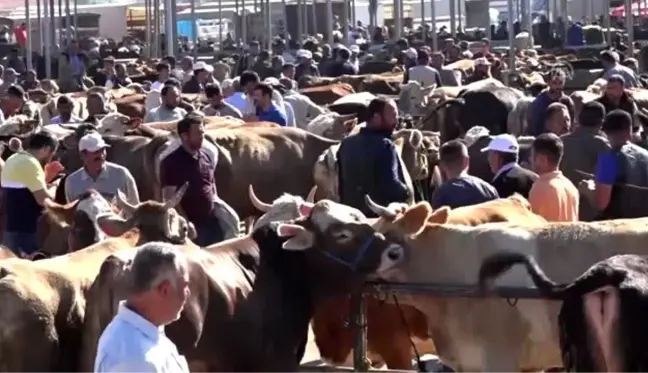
495	265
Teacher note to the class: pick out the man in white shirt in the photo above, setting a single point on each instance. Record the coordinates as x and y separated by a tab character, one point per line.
135	341
163	70
423	73
304	108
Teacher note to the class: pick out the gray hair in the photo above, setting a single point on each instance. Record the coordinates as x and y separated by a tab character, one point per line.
155	262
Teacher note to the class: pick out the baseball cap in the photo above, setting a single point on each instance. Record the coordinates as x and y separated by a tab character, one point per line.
504	143
411	53
203	66
92	142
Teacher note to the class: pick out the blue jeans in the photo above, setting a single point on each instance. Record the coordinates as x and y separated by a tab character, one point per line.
209	232
20	242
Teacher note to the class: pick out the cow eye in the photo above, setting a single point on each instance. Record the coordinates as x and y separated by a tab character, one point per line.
342	235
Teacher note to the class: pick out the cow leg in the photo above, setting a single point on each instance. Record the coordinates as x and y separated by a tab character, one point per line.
602	316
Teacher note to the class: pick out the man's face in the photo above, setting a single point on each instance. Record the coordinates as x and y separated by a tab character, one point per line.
64	109
164	74
110	67
249	88
556	85
260	100
45	155
254	50
493	161
289	72
95	105
614	90
195	136
558	122
389	117
174	293
437	60
186	64
9	76
94	160
216	100
172	98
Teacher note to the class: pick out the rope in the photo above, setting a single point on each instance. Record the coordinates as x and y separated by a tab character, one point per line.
419	363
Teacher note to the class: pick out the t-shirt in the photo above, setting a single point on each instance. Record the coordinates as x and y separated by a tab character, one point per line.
273	114
465	190
22	174
607	169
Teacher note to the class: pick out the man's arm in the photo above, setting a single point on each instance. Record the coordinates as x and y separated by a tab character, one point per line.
33	177
390	177
604	178
438	198
313	109
129	366
131	188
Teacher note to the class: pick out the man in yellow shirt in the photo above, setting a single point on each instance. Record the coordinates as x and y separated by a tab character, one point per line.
552	195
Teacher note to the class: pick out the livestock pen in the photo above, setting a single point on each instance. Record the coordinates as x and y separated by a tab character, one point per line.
384	290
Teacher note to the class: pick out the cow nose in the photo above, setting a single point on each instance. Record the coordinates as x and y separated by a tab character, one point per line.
395	253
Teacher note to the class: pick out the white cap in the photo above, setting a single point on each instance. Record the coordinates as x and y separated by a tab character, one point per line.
305	53
355	49
271	80
203	66
482	61
504	143
92	142
411	53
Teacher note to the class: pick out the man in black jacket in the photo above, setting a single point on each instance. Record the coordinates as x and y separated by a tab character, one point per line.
342	66
510	177
368	162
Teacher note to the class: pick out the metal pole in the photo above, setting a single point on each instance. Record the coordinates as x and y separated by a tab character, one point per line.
255	11
435	39
48	38
59	25
304	15
398	21
353	13
174	27
30	64
453	18
345	22
489	34
52	23
300	20
168	26
511	37
157	28
460	11
629	26
194	28
284	17
220	24
269	23
244	26
329	21
358	312
314	16
76	20
68	21
606	22
39	20
147	21
423	33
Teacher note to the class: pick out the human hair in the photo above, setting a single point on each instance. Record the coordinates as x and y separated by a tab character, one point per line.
165	90
84	129
185	123
507	157
617	121
555	107
550	145
171	60
344	54
16	91
64	100
592	114
452	153
376	106
266	89
616	78
42	139
162	66
154	263
608	56
212	90
249	77
172	82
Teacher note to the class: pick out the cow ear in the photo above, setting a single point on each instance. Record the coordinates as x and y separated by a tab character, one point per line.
113	225
62	213
413	219
440	216
300	238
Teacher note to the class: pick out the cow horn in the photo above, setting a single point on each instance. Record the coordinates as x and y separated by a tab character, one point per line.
123	204
171	203
256	202
311	195
381	211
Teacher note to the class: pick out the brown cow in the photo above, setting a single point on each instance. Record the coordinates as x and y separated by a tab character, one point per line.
327	94
387	335
265	327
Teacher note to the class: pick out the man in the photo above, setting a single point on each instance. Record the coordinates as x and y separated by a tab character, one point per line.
510	177
191	163
244	102
459	189
98	174
31	81
304	108
616	97
552	196
625	163
368	163
482	70
217	106
266	110
96	106
25	189
163	70
423	72
342	66
18	104
134	341
185	72
558	120
611	65
9	78
305	64
288	71
64	107
536	114
107	78
169	109
196	83
263	65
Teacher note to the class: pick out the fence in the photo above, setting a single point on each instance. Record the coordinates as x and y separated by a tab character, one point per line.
358	308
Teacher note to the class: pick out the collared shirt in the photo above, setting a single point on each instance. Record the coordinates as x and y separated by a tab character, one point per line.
59	120
503	169
304	108
224	110
273	114
554	197
464	190
163	114
113	177
239	101
130	343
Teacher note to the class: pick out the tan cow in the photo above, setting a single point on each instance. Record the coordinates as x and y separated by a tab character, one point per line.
332	125
474	334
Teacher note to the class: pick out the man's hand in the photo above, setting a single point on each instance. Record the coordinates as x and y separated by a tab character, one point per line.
586	186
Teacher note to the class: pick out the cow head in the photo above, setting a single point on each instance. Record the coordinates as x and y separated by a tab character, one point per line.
155	220
71	227
286	207
116	124
341	246
413	98
341	126
414	152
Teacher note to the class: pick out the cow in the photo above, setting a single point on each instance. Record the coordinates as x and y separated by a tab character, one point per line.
332	125
278	274
601	317
6	253
489	334
48	297
326	94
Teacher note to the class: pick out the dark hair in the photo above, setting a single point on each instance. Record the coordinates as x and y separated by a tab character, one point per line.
592	114
617	121
376	106
212	90
616	78
553	108
162	66
506	157
185	123
608	56
63	100
549	145
344	54
84	129
167	87
452	152
171	60
173	82
16	91
264	88
110	60
287	66
249	77
42	139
